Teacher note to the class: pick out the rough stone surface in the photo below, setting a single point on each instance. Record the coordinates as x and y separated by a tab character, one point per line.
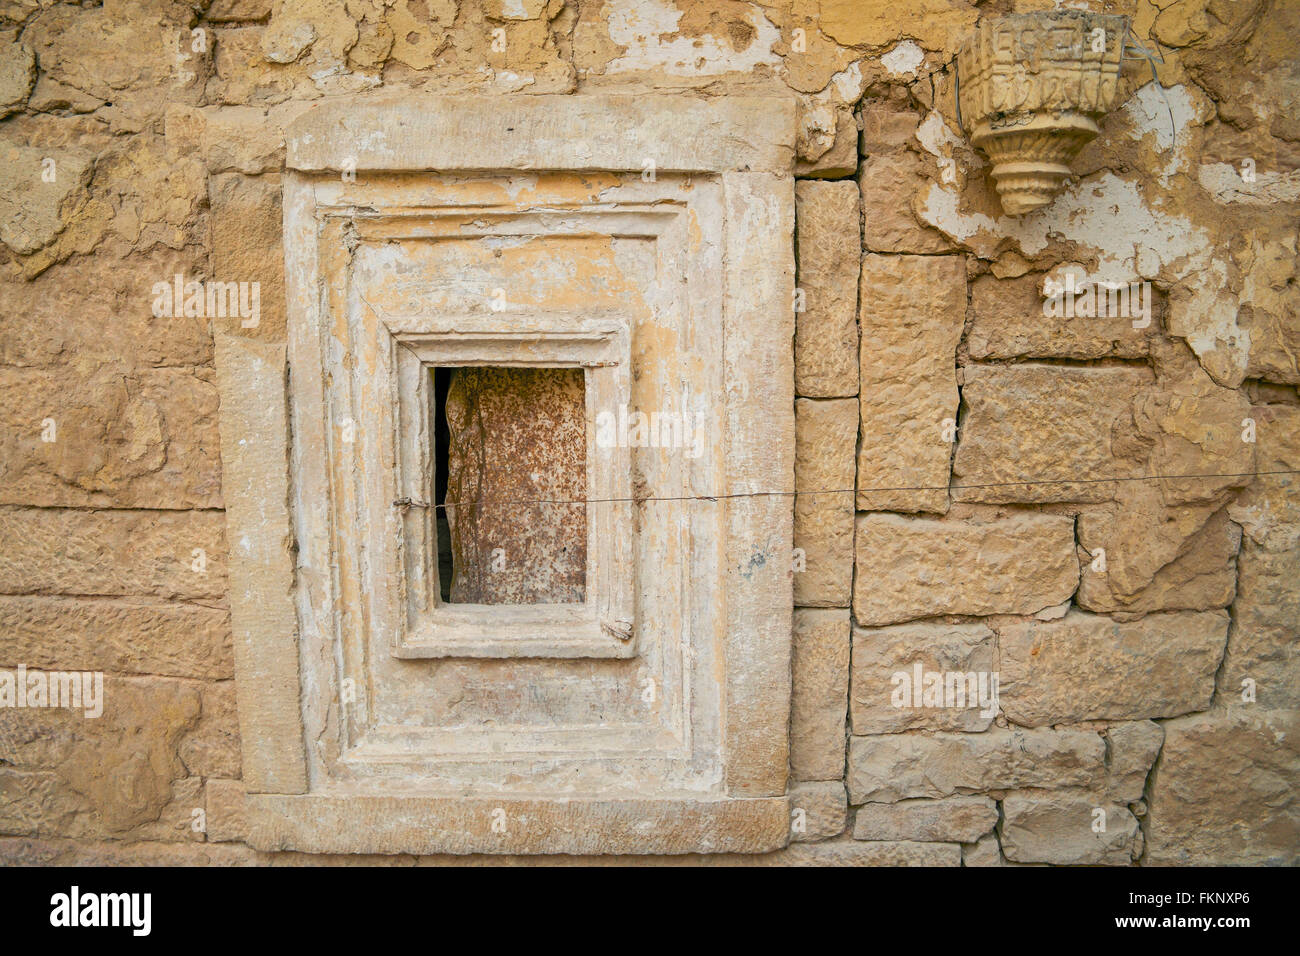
1029	430
953	819
1224	790
1202	574
824	809
1132	747
909	568
1068	829
859	853
1089	667
983	852
167	161
893	166
38	195
911	313
891	767
115	635
111	438
166	554
819	696
226	820
517	435
824	440
1263	655
884	665
826	331
1005	320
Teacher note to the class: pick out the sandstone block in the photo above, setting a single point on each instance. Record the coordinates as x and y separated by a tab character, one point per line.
1133	747
1225	790
819	811
1030	429
97	313
1005	320
893	167
855	853
109	438
168	554
840	157
983	852
886	697
33	208
908	568
123	637
891	767
1202	575
1089	667
826	331
247	246
1068	829
226	819
1264	645
18	75
825	442
953	819
820	693
911	313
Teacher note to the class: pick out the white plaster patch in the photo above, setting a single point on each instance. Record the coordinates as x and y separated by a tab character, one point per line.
848	82
1149	114
1227	185
937	139
1130	241
639	24
903	59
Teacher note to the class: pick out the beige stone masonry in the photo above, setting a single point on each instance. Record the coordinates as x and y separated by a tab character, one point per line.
880	653
819	699
952	819
911	312
825	439
826	331
1222	792
1069	829
255	434
1089	667
818	811
891	767
908	568
1030	429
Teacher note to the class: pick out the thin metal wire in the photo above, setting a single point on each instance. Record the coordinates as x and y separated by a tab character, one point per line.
411	503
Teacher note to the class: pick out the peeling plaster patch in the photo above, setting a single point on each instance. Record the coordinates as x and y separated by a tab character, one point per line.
937	139
639	24
1148	113
1107	214
940	209
1109	217
1224	183
903	59
848	83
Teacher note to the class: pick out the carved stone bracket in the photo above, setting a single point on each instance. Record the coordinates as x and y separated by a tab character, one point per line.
1033	88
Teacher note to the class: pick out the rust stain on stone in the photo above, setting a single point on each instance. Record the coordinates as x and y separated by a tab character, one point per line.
517	435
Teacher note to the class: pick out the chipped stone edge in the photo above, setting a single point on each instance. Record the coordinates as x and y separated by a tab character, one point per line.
424	825
545	132
255	482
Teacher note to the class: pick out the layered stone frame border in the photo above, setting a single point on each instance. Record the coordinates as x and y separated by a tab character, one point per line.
603	625
287	609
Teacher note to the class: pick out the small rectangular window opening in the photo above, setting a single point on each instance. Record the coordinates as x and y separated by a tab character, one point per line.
510	448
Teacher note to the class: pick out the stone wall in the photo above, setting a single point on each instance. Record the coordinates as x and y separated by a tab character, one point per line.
1097	511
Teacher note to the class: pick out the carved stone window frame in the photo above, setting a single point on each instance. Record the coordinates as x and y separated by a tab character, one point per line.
603	625
279	448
